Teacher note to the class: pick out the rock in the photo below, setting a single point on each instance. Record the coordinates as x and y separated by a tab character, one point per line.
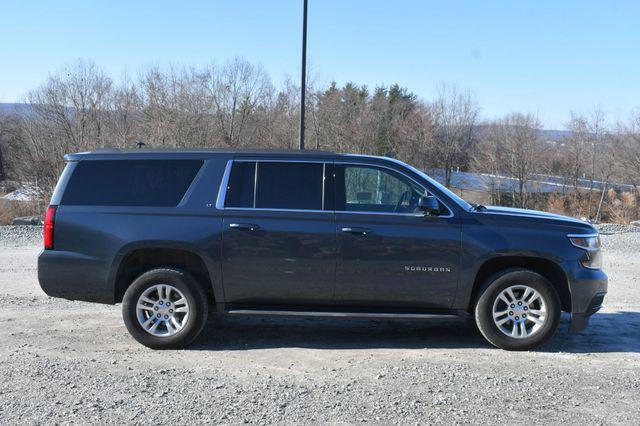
27	220
9	186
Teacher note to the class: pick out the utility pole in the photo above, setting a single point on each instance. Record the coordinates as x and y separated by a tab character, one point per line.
303	83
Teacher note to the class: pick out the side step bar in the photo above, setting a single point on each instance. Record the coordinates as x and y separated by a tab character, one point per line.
351	315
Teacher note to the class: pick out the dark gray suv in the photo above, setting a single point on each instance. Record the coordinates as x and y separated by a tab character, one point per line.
176	235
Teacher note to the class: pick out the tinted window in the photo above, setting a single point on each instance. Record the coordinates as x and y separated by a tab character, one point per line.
241	185
160	183
289	186
371	189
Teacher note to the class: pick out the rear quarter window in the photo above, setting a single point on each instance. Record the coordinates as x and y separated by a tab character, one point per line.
154	183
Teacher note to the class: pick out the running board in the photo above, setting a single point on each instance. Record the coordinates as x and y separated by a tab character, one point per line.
351	315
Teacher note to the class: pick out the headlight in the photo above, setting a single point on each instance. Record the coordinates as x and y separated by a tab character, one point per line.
586	242
590	243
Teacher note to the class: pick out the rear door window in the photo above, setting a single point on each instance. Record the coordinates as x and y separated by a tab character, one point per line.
241	186
292	186
154	183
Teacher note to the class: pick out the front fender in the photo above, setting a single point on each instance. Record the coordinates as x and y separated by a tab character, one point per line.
504	245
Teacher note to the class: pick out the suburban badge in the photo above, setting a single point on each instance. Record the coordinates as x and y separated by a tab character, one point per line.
426	269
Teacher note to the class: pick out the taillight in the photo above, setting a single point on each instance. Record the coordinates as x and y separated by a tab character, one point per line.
49	222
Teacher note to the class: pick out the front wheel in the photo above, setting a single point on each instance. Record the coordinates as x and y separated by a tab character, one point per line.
518	310
164	309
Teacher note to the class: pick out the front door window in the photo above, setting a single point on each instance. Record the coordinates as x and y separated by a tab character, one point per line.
375	190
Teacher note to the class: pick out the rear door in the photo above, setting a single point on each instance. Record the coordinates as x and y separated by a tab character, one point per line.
279	242
389	253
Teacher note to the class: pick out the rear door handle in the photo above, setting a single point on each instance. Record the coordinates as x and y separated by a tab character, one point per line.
357	231
244	226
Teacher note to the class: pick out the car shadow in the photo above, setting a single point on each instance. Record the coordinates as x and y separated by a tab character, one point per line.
607	332
236	333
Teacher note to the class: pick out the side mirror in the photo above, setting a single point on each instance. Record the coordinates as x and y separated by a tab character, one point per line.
429	205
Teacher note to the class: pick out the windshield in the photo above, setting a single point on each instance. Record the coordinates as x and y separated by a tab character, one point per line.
462	203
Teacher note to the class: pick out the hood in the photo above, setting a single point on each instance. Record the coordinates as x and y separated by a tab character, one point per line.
524	214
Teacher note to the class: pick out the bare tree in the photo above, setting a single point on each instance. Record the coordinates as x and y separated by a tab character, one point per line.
124	122
237	93
576	150
285	118
416	138
4	130
584	151
516	150
629	150
68	113
8	129
487	157
455	113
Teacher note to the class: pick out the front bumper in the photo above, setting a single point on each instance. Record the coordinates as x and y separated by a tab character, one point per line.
588	288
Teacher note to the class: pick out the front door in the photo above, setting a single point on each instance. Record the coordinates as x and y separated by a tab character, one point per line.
279	242
389	253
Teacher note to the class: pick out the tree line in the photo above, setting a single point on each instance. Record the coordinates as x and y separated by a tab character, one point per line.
237	105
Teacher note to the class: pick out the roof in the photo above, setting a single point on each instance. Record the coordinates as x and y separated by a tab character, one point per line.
190	153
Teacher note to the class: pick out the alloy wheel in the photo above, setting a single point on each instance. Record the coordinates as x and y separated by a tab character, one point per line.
519	311
162	310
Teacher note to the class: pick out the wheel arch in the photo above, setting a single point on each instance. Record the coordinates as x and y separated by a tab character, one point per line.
545	267
136	259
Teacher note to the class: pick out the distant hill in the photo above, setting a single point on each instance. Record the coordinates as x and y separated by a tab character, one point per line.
545	134
554	135
14	108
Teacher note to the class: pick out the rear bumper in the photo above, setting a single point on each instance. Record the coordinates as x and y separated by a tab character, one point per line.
74	276
588	288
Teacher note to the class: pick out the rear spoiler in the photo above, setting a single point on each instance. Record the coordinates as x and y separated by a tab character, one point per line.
75	156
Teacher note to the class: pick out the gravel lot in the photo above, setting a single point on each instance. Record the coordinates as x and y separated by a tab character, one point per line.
72	362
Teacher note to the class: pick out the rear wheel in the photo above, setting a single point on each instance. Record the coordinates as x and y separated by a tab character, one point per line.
164	309
518	310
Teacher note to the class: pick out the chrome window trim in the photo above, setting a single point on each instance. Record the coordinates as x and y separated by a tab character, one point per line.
224	186
384	213
324	211
262	209
222	191
269	160
255	184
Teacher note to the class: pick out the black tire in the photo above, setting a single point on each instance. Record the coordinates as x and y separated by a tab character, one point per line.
491	291
192	291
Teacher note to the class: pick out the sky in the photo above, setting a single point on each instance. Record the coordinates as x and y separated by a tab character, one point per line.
542	57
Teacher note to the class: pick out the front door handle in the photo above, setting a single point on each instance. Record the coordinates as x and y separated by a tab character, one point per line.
357	231
244	226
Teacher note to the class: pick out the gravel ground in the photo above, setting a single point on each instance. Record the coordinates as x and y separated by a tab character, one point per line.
20	236
72	362
614	228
